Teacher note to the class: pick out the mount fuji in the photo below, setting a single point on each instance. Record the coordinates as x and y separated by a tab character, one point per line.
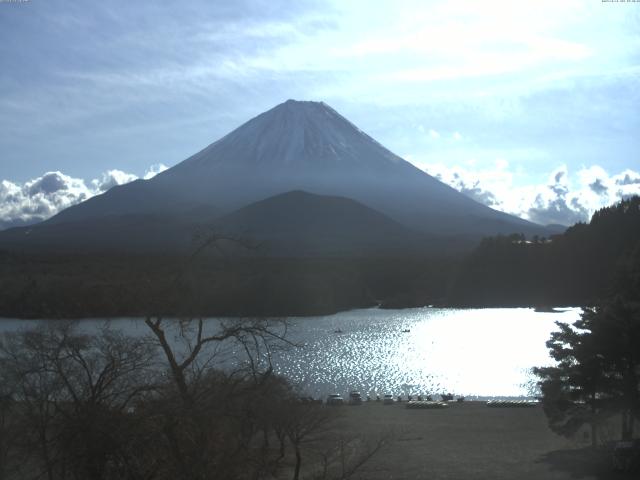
296	146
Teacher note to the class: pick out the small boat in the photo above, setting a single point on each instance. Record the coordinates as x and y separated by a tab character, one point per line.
406	330
426	405
338	330
355	398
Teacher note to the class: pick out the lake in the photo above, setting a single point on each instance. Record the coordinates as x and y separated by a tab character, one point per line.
479	353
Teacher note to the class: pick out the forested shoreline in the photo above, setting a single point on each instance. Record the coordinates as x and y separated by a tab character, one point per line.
96	286
587	263
577	268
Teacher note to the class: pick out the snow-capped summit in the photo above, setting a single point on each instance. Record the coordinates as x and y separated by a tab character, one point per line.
295	134
302	145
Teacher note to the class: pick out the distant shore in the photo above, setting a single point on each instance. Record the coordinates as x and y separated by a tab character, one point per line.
98	316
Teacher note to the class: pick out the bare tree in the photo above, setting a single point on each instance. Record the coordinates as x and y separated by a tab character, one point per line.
306	423
218	370
7	430
74	393
348	455
196	399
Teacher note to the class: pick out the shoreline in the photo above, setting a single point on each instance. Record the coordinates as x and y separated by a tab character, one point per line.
536	308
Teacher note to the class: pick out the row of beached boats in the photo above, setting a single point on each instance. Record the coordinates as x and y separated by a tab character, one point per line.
355	398
490	403
512	403
418	402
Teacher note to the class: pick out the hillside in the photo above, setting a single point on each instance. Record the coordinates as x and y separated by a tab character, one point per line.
290	224
588	262
299	223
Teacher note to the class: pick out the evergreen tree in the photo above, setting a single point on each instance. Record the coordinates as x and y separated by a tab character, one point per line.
572	390
598	370
615	326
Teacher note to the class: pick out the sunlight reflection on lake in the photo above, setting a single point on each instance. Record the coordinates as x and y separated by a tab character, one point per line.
472	352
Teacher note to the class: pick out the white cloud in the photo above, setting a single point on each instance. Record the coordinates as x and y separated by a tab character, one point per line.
40	198
154	170
628	177
555	203
433	134
564	198
44	196
111	178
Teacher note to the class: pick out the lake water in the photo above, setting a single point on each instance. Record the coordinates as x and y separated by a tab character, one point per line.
473	352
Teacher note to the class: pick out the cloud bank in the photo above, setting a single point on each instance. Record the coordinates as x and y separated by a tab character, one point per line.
565	198
43	197
102	77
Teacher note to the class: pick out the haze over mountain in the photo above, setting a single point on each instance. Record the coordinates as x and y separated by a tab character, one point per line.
295	223
301	223
302	146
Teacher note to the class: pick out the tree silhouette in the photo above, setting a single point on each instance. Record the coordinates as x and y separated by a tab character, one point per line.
598	370
73	394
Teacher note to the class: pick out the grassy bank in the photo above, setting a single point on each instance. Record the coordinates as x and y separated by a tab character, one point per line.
470	441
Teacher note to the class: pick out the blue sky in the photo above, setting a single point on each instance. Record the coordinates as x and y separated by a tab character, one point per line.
530	107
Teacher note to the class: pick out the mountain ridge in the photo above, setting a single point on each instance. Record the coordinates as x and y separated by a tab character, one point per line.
302	145
295	223
298	223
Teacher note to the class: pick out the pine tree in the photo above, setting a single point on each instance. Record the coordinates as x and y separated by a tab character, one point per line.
598	370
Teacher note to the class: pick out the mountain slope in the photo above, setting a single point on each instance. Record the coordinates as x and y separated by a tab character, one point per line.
290	224
303	146
133	232
299	223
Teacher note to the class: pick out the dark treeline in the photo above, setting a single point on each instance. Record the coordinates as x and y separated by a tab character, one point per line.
77	286
586	263
595	381
575	268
